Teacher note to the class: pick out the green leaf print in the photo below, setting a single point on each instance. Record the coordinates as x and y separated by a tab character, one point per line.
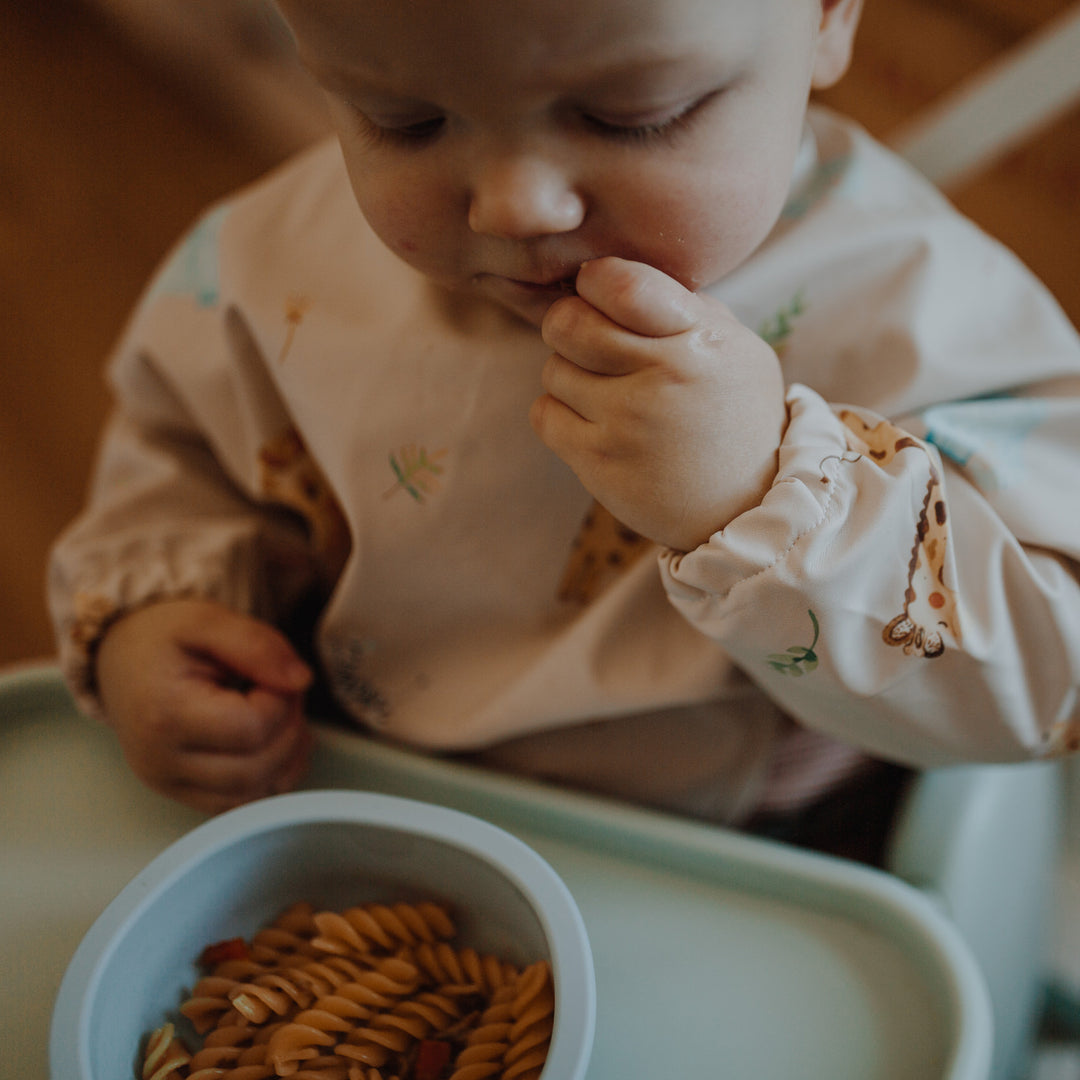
779	328
797	660
416	471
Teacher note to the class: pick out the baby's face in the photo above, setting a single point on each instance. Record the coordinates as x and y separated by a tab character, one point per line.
495	145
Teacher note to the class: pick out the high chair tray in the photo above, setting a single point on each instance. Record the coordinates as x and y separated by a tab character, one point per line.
717	955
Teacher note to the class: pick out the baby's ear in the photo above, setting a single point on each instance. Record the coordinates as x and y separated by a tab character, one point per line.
839	21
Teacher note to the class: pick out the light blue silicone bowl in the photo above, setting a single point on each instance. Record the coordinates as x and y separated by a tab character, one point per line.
235	872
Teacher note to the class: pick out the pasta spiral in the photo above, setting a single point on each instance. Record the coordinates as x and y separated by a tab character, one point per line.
446	965
165	1056
514	1034
368	993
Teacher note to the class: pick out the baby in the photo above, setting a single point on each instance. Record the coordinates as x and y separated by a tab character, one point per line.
594	407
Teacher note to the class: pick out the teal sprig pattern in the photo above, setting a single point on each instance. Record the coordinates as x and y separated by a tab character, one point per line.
416	470
799	659
777	330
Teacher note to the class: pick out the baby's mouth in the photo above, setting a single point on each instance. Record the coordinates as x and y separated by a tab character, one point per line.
564	285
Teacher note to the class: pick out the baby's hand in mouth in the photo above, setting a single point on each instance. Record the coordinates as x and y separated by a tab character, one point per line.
669	410
637	297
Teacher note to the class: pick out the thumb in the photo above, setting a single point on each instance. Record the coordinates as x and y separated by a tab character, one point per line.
253	649
637	297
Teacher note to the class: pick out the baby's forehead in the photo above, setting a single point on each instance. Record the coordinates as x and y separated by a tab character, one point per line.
579	24
555	40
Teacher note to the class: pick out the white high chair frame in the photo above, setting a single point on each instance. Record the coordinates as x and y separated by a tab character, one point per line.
985	842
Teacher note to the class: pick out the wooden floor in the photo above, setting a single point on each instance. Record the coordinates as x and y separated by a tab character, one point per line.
103	163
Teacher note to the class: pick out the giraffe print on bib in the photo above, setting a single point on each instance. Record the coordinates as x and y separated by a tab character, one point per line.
929	616
603	549
290	476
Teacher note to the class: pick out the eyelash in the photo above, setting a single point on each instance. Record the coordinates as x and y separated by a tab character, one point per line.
421	131
416	135
426	131
644	133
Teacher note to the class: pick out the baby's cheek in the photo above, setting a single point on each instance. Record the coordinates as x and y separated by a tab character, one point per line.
715	226
405	241
394	228
690	238
396	221
400	225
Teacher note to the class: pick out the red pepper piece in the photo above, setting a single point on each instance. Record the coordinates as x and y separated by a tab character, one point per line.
233	949
432	1057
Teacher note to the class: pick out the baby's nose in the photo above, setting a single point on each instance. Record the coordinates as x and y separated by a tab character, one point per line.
524	197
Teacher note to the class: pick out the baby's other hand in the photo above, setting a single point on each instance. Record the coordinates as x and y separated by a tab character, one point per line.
669	410
207	704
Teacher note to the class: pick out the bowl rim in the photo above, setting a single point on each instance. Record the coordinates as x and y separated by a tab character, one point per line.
547	894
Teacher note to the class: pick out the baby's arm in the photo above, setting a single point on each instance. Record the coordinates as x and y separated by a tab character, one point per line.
878	596
146	585
669	410
870	588
207	704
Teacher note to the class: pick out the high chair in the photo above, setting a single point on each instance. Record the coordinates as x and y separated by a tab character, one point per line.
893	983
984	841
980	841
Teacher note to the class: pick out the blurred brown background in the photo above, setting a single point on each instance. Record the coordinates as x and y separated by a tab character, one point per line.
121	119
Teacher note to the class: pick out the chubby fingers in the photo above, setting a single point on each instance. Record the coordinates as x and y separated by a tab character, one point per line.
216	782
615	325
240	751
224	720
251	649
637	297
615	322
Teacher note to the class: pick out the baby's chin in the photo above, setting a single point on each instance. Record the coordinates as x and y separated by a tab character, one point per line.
471	310
523	301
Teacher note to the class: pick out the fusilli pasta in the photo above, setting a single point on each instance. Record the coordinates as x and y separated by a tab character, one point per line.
374	992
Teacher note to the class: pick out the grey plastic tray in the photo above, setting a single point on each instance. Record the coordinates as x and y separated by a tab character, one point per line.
717	955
